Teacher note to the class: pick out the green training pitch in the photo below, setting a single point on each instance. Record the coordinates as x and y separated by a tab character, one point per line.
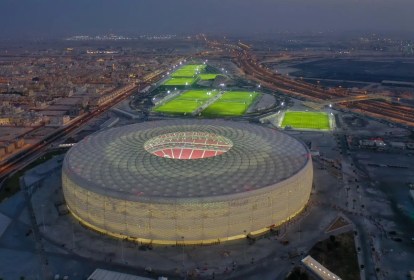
179	82
306	120
231	103
225	109
198	94
187	102
193	67
178	106
189	70
239	96
207	77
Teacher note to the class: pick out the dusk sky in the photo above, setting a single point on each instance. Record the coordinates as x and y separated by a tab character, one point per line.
57	18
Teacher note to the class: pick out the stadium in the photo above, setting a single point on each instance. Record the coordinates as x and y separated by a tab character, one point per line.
186	181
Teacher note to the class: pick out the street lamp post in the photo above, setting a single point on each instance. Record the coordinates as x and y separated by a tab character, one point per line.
43	218
244	247
122	251
73	237
182	239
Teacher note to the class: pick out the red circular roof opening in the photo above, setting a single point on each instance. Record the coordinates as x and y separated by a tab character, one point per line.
188	145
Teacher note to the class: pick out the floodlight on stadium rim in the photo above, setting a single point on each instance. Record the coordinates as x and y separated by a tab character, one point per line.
187	181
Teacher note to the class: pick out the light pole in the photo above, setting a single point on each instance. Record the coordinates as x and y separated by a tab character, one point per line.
244	247
182	239
43	218
122	251
73	236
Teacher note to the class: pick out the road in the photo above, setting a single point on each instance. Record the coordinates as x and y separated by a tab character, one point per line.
380	109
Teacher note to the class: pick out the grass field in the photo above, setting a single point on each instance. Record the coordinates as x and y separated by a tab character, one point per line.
179	82
239	96
187	102
232	103
198	94
183	74
207	77
189	70
225	109
307	120
179	106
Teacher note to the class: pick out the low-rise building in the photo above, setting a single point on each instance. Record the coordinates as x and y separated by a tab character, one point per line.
2	151
58	120
398	145
5	121
102	274
372	143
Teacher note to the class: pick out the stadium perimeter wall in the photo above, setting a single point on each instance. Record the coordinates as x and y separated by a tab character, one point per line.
190	220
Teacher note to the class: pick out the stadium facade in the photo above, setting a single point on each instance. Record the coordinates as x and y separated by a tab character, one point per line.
187	181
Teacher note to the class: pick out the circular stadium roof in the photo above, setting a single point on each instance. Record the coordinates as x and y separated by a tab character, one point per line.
122	162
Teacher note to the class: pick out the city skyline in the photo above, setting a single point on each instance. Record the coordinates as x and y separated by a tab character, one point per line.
56	19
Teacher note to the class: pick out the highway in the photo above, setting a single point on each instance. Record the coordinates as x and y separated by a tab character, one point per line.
380	109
